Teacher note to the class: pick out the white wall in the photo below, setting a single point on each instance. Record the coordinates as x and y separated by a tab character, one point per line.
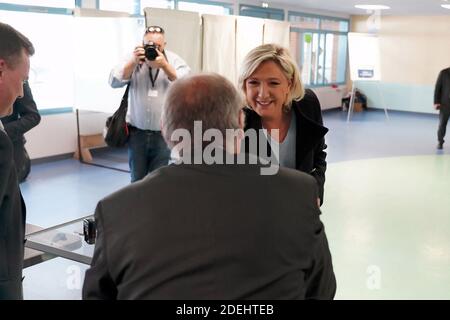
57	134
413	49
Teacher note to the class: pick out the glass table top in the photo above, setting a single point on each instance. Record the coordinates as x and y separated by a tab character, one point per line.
65	240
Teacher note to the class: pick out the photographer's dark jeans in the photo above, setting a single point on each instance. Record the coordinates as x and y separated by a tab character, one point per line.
147	151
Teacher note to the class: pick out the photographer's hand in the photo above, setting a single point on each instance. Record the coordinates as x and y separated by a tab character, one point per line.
139	55
138	58
161	62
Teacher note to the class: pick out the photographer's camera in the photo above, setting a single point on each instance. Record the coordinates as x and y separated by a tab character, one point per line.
150	52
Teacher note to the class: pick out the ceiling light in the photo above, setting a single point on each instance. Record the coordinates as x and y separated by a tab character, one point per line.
445	6
265	5
371	7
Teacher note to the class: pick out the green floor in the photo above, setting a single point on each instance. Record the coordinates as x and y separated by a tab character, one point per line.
388	225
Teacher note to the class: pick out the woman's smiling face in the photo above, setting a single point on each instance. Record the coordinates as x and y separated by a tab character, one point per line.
267	90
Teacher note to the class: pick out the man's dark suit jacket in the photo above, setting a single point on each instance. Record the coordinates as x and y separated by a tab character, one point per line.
12	224
25	116
212	232
442	89
310	155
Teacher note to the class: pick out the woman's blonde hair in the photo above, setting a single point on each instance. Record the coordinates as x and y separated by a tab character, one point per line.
282	57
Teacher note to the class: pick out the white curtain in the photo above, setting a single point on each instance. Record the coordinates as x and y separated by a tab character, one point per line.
219	45
182	33
276	32
249	34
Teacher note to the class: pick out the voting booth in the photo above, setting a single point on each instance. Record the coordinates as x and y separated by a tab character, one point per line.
364	59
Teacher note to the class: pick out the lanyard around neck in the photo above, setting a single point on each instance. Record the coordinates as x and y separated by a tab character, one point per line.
153	80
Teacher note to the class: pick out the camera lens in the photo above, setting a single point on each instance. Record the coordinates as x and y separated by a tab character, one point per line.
150	52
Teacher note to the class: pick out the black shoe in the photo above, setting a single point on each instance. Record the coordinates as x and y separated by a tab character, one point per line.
439	146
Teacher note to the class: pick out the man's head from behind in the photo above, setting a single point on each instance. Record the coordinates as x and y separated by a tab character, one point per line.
209	98
15	50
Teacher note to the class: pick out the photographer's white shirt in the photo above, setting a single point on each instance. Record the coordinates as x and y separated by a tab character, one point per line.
145	101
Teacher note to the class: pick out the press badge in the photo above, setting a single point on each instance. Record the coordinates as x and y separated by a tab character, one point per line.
152	93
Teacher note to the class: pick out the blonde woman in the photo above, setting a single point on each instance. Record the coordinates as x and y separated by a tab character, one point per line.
276	99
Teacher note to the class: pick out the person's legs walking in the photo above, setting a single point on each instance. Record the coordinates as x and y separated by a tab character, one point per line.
444	114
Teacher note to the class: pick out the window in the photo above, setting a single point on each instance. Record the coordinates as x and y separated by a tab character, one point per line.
304	22
51	77
258	12
44	3
336	58
206	7
334	25
162	4
122	5
319	45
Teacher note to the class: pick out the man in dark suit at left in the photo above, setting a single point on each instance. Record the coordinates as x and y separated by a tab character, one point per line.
15	52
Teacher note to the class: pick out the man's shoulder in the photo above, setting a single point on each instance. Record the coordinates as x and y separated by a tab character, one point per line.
168	177
134	188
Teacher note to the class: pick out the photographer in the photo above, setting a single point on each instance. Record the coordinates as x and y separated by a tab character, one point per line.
149	70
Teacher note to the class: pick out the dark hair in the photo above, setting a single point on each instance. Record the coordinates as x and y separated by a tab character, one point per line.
12	43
